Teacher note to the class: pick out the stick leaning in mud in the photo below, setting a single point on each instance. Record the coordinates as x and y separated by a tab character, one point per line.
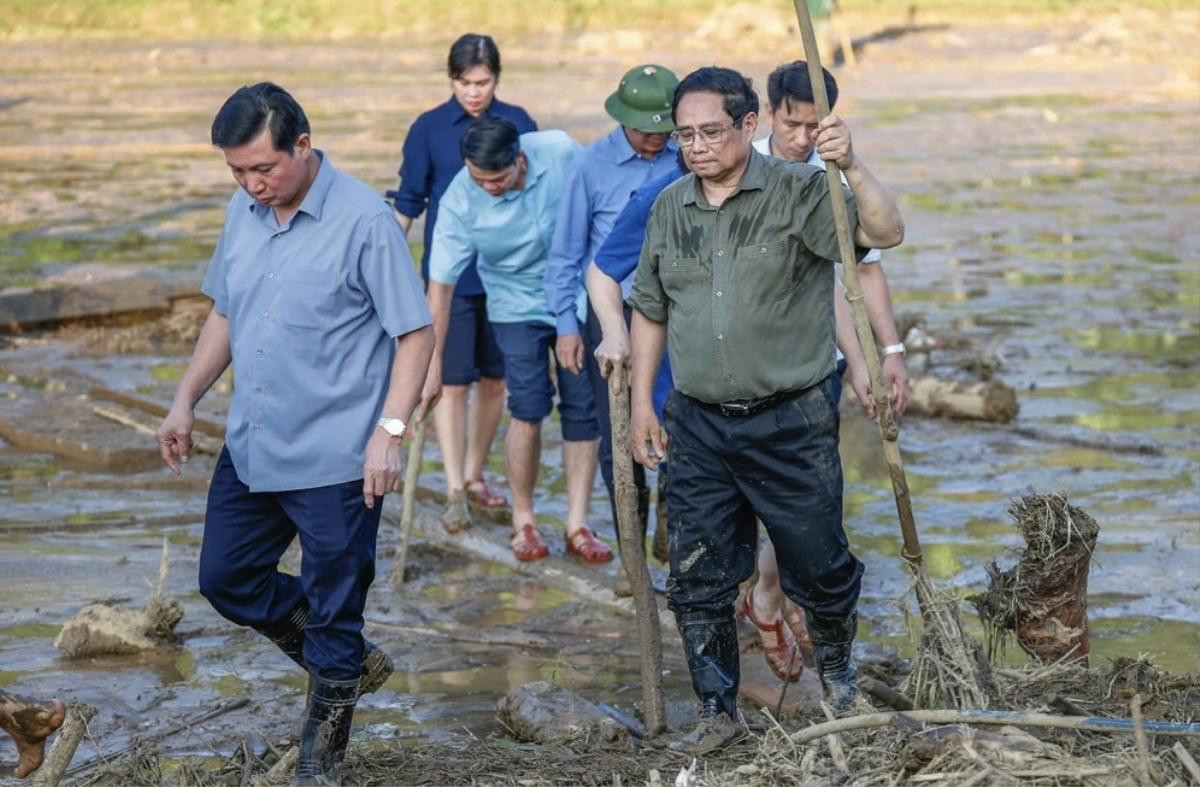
633	549
950	667
412	473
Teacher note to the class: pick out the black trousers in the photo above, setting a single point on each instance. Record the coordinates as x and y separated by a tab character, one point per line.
592	336
780	465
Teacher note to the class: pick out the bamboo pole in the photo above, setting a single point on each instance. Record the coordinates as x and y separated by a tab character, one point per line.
862	325
412	473
63	750
633	552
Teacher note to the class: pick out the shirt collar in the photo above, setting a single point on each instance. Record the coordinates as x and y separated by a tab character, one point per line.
753	179
314	200
623	151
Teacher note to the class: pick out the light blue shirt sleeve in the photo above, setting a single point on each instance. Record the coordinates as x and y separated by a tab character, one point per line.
453	248
568	250
389	277
215	283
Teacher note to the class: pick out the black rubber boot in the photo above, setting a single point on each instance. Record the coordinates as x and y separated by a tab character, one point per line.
326	730
711	645
833	643
288	635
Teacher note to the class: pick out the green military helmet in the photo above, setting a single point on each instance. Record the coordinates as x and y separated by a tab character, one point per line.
643	99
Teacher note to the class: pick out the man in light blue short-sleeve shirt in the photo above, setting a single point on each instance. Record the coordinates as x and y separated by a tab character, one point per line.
502	206
318	306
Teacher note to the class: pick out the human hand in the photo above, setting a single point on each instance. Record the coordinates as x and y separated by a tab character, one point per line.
833	142
612	352
432	391
859	380
383	467
895	379
646	437
175	437
569	350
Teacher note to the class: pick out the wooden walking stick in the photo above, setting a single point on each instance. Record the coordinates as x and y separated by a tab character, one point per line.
416	452
862	325
950	667
633	549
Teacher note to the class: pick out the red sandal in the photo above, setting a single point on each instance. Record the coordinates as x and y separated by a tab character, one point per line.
484	495
527	544
783	657
584	545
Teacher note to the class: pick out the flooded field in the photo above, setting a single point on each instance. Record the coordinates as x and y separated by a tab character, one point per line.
1053	213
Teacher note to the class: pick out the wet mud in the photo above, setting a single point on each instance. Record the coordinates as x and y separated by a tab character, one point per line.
1046	243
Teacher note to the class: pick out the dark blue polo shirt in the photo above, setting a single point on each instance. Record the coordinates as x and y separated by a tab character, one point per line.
432	159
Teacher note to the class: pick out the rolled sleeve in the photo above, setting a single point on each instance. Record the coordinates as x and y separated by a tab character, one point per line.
619	254
452	250
390	279
648	296
568	250
818	229
416	174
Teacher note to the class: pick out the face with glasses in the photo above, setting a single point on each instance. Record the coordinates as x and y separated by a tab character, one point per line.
713	144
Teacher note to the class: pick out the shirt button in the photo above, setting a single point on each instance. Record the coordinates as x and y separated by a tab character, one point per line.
720	252
271	275
674	264
258	389
720	336
718	293
258	350
763	250
266	314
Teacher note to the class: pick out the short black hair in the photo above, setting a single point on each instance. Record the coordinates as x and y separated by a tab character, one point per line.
736	91
470	50
791	83
492	144
252	108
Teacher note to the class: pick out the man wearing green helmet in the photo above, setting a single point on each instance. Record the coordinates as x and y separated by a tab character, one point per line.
639	149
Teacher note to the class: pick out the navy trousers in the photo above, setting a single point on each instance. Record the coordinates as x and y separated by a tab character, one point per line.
245	535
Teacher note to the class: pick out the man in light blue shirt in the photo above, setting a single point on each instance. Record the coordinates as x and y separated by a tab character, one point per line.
317	305
501	207
606	174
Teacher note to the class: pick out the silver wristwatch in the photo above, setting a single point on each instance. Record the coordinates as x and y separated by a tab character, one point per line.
395	427
895	349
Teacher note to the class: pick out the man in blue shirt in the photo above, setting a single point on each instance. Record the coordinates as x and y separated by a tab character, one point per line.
607	172
502	208
317	305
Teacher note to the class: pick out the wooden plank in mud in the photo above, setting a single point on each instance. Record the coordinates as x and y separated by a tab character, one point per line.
148	292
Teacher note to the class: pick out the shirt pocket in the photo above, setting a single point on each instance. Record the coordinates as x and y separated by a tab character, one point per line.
687	282
310	299
765	273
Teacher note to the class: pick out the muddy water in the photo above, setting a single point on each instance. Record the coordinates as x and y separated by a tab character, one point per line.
1044	236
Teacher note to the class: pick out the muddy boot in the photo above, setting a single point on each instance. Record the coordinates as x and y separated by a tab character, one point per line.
326	730
833	640
716	730
711	645
377	666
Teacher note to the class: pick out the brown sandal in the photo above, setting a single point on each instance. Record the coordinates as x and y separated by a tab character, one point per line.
783	657
527	544
584	545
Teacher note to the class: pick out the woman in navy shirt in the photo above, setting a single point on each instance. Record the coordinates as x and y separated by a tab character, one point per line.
431	160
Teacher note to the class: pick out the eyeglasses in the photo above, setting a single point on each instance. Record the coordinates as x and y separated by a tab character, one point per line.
710	134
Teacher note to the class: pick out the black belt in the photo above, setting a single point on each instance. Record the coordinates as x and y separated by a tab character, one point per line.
741	408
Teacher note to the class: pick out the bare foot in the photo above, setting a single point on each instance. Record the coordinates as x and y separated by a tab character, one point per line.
30	723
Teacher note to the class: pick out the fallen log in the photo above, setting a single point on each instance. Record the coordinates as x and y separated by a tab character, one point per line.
984	401
120	293
1043	598
541	712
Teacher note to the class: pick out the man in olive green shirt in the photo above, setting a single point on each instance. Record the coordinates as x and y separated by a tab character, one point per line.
736	277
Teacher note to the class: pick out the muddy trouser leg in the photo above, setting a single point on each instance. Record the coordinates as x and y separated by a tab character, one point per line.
792	476
592	336
245	535
712	538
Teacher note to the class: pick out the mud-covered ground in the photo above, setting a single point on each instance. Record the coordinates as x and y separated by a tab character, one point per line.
1048	176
